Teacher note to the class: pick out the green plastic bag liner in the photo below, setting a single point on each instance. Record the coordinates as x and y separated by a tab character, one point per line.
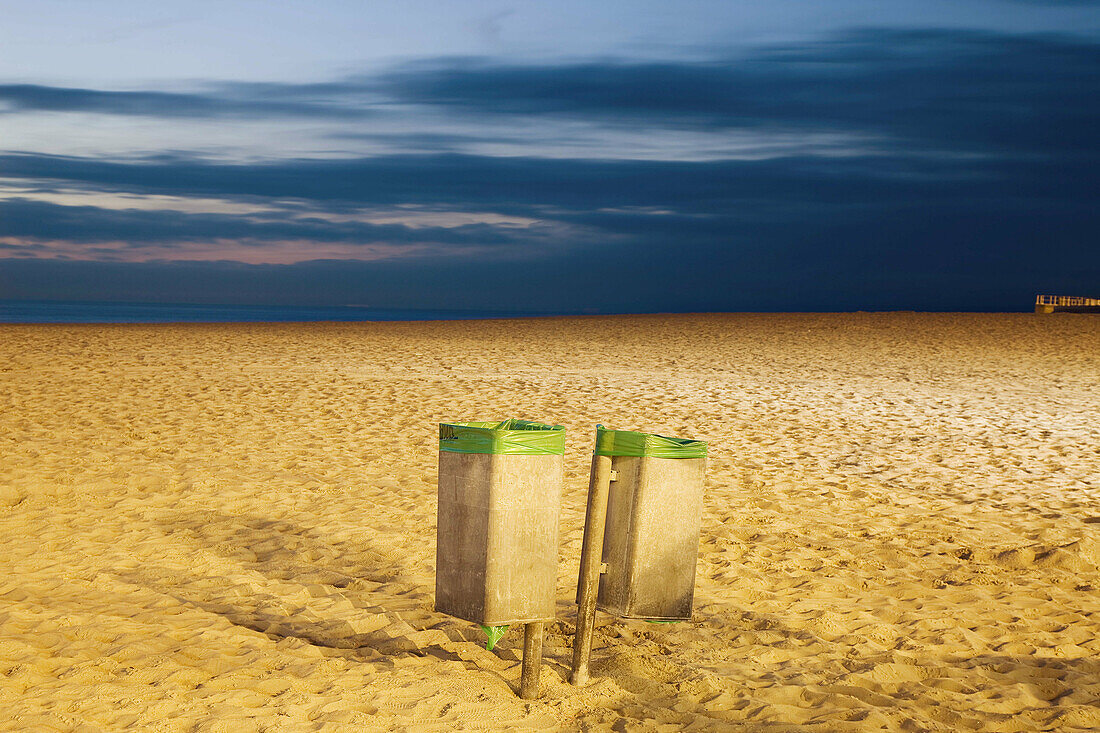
507	437
638	445
493	634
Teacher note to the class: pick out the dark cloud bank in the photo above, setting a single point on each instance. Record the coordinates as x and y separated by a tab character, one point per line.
242	101
955	89
979	190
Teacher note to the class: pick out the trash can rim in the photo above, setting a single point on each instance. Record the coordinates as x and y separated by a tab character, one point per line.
502	437
638	444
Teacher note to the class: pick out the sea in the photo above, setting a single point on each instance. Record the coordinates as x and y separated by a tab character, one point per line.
55	311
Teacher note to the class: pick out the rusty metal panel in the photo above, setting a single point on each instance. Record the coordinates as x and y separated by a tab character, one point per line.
497	537
651	537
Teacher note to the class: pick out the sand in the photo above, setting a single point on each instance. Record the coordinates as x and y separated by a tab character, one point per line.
231	527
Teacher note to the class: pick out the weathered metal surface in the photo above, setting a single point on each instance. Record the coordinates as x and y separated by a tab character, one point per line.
651	538
497	541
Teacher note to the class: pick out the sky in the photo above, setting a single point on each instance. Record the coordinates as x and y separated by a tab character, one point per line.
563	156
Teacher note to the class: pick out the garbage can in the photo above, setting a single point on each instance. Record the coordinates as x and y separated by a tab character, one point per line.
499	504
651	534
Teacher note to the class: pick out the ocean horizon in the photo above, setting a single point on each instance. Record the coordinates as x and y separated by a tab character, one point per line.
77	312
54	311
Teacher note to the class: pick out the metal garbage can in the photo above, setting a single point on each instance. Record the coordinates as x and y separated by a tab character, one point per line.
651	533
499	506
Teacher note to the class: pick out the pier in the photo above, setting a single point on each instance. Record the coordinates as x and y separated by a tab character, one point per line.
1066	304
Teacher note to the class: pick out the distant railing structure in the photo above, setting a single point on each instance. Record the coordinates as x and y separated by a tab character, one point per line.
1066	301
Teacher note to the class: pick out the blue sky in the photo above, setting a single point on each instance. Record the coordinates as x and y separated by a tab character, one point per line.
615	156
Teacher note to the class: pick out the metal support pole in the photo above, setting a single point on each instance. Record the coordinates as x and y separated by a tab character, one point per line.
588	584
532	660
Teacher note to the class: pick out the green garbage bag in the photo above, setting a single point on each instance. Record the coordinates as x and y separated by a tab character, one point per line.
636	445
493	634
509	437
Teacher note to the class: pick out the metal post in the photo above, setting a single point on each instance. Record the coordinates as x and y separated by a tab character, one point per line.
532	660
591	559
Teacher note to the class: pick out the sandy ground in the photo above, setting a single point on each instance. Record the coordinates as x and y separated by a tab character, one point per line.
231	527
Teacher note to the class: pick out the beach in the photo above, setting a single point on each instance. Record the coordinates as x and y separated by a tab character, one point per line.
231	527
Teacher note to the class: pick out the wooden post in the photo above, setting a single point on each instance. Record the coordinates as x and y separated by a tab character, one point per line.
588	583
532	660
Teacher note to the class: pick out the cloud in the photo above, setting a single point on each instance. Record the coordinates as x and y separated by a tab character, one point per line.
543	187
979	191
233	101
937	258
925	89
38	220
435	142
954	89
736	235
44	229
1047	3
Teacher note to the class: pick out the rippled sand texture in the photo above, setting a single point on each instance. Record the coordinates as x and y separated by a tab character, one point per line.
231	527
